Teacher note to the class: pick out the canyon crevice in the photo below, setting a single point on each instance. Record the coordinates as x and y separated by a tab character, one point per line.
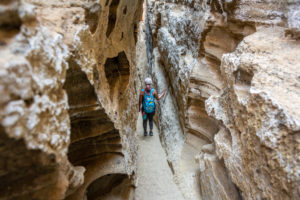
71	73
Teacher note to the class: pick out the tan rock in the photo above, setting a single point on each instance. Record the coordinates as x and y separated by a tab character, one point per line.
39	41
191	38
215	183
34	119
259	111
70	75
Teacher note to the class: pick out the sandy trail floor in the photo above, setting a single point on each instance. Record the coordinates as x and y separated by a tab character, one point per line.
155	179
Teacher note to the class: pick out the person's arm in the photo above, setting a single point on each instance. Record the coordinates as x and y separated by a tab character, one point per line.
160	96
141	100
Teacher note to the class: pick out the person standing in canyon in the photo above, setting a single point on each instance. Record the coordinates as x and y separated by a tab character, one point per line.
147	104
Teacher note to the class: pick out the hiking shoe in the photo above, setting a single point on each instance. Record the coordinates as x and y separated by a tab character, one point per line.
151	133
145	133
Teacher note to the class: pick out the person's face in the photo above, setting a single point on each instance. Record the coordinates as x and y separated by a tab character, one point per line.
148	87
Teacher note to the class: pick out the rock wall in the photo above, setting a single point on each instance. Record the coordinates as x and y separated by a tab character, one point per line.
68	75
34	119
71	71
105	114
191	41
263	128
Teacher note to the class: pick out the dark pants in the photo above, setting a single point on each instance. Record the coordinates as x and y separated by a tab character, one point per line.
150	118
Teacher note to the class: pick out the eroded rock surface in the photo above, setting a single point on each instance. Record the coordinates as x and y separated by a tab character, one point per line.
70	75
261	145
67	70
191	41
215	184
34	119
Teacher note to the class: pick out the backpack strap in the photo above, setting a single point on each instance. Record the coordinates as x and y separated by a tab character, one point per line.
151	93
143	91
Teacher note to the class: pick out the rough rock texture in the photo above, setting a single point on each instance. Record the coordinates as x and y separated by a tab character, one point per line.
105	52
71	71
192	72
190	38
67	70
35	130
219	185
263	125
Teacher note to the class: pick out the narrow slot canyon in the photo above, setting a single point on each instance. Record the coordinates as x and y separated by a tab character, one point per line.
227	128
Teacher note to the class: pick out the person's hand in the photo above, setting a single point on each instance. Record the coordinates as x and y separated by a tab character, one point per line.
164	92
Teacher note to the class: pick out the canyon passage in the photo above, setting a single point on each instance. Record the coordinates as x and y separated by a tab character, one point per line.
71	72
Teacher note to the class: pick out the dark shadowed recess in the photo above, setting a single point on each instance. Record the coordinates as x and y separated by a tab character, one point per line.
79	89
243	77
109	186
117	71
9	15
89	149
24	173
10	22
112	17
137	18
92	14
93	134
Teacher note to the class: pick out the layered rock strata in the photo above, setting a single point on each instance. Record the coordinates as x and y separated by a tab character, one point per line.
190	40
68	68
211	168
70	74
263	128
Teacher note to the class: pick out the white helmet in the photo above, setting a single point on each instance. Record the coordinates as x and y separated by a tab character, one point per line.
148	81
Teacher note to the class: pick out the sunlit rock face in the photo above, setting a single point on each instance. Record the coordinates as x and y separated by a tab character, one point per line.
68	115
192	40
